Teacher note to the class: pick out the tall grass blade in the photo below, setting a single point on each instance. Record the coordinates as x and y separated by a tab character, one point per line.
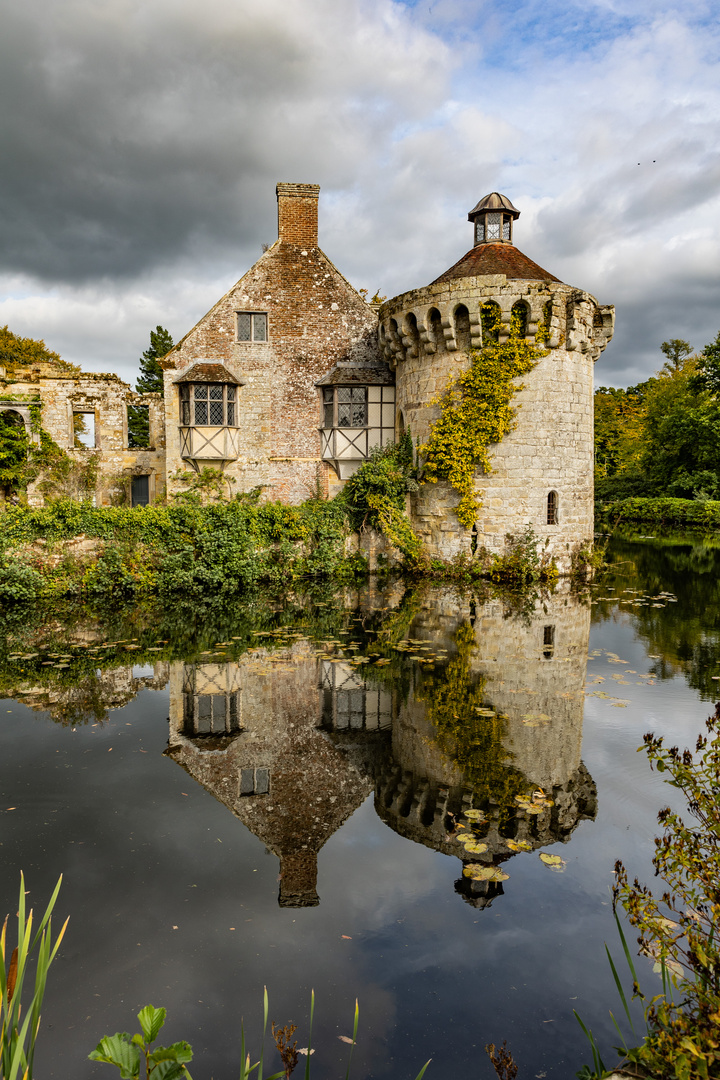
597	1060
309	1045
620	990
628	957
355	1027
422	1071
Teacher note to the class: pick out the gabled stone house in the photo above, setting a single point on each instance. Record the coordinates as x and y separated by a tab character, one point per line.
243	387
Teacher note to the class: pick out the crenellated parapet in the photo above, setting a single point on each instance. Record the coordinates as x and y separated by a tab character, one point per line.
446	317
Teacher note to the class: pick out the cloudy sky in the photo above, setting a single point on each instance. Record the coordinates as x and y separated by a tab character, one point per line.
141	144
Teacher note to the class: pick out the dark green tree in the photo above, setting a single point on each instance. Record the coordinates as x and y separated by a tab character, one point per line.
675	350
14	445
150	381
151	375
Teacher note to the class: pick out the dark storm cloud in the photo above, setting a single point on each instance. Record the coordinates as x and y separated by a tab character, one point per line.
135	134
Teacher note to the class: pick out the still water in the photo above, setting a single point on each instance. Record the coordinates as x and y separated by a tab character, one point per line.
272	794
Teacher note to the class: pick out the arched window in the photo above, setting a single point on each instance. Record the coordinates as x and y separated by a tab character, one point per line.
519	319
552	508
462	327
490	320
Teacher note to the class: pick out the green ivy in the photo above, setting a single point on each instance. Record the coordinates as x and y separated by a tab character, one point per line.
477	411
375	495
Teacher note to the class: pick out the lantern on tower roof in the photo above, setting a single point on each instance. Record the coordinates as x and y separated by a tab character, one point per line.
493	217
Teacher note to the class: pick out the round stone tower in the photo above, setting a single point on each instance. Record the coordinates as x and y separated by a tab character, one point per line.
542	471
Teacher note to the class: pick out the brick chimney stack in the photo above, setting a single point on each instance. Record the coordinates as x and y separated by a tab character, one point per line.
298	213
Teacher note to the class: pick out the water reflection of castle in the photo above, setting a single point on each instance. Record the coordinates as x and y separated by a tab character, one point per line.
293	743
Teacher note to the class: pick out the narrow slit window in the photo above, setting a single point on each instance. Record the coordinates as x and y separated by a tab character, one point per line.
548	642
552	508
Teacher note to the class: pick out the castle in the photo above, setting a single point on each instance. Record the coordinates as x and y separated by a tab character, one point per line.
292	378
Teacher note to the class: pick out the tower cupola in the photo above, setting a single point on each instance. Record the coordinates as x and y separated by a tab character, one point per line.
493	219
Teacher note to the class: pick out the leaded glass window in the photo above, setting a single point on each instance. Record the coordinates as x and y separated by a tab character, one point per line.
252	326
479	232
506	229
207	405
493	226
351	406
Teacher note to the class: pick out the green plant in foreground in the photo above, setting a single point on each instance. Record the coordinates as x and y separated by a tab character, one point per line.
18	1027
163	1063
168	1063
680	930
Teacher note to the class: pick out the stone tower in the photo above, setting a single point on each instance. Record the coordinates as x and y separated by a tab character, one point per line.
542	471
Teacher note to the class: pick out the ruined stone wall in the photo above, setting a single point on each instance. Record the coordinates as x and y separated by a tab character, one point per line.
428	340
60	394
315	318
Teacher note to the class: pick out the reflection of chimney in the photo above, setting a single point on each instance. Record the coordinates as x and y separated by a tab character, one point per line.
298	880
298	213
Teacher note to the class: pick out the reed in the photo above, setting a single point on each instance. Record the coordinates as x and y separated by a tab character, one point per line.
19	1026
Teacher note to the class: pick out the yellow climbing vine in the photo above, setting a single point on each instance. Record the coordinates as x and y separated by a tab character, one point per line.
477	410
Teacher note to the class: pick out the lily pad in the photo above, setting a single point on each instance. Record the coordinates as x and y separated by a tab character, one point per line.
553	862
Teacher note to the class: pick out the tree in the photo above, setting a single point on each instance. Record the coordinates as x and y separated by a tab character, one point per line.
150	381
18	351
675	350
708	377
151	374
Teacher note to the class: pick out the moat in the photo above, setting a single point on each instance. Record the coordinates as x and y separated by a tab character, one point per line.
350	791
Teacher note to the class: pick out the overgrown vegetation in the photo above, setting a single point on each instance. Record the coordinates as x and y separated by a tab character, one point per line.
680	929
375	495
477	411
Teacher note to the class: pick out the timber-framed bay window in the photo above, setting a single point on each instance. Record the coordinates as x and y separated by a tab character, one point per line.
207	405
208	414
358	414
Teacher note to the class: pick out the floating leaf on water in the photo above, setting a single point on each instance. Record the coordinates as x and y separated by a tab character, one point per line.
485	712
519	845
474	815
478	872
554	862
476	847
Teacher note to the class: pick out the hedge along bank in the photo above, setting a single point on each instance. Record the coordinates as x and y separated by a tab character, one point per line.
74	547
694	513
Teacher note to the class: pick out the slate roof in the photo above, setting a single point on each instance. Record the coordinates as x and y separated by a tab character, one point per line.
496	259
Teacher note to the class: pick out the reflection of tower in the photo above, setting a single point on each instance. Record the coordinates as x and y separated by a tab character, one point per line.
252	733
527	675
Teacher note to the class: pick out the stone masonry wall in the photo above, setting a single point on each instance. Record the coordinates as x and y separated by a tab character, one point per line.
315	318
